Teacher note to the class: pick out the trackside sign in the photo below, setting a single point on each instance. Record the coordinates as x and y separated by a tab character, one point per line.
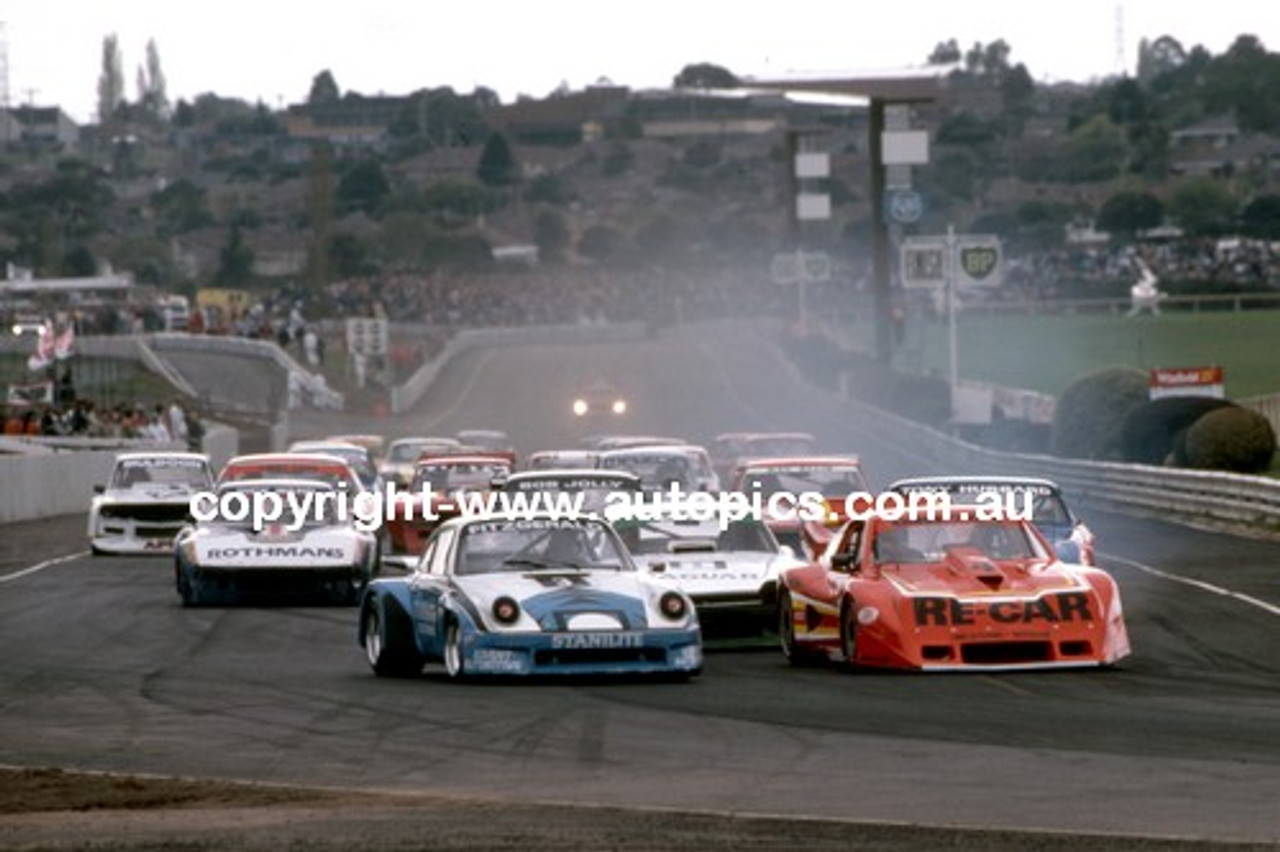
1186	381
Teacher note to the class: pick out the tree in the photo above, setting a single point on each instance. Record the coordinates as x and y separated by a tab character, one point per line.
363	187
1261	217
324	89
704	75
550	232
320	214
180	207
1245	82
549	189
235	261
1126	213
945	53
1202	206
1094	151
1159	57
110	80
1017	94
153	100
497	167
402	237
453	201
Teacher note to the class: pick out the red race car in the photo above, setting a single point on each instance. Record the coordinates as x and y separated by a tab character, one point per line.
437	484
834	478
940	595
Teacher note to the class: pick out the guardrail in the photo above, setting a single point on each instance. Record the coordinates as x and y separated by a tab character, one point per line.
1199	497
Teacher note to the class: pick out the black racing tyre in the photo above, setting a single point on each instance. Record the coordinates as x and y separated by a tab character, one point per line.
454	666
388	642
787	633
187	590
849	634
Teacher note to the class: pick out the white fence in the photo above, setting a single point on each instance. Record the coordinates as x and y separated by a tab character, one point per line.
1268	406
57	475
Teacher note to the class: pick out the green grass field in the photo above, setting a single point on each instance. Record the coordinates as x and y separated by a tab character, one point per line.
1046	353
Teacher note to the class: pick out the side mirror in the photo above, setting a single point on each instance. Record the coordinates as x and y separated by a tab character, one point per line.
787	551
99	488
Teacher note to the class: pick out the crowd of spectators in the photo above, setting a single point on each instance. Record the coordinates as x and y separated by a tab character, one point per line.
157	423
1191	266
561	295
442	302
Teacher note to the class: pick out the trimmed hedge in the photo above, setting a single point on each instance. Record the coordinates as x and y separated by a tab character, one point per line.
1090	412
1154	432
1232	439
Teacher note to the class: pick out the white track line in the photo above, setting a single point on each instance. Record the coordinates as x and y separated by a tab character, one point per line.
40	566
1199	584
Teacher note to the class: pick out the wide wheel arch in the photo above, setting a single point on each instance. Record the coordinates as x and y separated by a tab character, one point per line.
396	653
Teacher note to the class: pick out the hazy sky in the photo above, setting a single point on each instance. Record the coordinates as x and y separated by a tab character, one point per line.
270	51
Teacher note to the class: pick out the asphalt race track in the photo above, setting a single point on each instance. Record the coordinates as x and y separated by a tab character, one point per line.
103	669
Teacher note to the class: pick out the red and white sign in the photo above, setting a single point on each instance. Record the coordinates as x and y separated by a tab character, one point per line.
1186	381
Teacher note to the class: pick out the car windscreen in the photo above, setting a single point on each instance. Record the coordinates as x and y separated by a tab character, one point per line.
531	545
827	480
668	535
178	473
925	542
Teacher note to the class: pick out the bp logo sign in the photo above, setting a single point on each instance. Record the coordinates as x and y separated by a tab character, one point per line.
979	261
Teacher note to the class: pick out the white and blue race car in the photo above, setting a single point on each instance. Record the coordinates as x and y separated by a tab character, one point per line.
144	504
501	595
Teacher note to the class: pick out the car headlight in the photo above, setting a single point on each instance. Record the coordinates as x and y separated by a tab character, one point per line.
619	406
580	407
672	605
506	610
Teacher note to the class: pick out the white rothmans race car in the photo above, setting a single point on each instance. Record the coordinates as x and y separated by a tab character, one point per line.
730	573
499	595
313	548
145	502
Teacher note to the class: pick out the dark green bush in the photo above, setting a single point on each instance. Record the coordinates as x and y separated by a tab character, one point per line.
1232	439
1088	416
1152	433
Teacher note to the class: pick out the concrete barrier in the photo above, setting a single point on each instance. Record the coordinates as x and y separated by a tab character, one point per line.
60	481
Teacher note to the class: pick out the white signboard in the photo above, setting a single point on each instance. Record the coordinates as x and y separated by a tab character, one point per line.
924	262
367	335
904	147
801	267
812	205
813	165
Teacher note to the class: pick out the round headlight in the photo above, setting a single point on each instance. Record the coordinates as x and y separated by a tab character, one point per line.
506	610
619	406
673	606
580	407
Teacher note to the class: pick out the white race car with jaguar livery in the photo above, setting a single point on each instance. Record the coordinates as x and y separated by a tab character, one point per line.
727	572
